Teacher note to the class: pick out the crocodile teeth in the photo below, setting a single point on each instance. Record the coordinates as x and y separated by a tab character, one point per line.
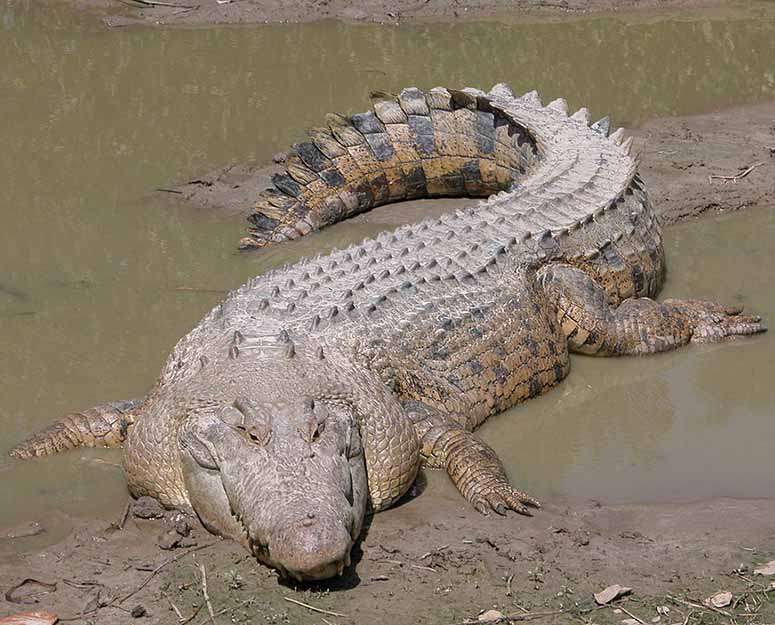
618	136
582	115
603	126
559	105
627	145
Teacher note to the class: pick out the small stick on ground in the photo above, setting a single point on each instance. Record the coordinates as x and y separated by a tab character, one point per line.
124	516
513	618
736	177
314	609
157	3
628	613
174	607
155	571
699	606
193	615
210	611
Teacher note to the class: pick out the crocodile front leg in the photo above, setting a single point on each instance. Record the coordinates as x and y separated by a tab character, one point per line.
105	425
638	325
474	468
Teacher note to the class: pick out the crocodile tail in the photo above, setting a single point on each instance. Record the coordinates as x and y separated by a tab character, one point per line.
443	143
105	425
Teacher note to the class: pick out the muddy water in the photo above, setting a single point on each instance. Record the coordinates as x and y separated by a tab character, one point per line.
98	280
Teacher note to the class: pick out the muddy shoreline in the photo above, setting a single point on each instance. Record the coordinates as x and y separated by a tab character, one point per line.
433	559
203	13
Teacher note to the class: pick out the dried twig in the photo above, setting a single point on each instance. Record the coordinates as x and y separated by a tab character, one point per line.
174	607
423	568
699	606
210	611
513	618
628	613
314	609
192	617
736	177
122	521
157	3
235	607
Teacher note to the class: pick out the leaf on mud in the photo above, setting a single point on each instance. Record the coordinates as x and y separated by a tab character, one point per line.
766	569
719	600
491	616
631	621
30	618
27	591
604	597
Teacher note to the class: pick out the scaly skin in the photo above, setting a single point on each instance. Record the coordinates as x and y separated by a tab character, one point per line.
314	387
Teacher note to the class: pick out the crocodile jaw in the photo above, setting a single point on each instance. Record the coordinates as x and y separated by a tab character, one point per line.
298	507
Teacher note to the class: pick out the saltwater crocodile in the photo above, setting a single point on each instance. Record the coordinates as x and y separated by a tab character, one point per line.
323	386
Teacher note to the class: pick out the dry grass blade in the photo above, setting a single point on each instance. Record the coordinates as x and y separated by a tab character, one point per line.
314	609
736	177
210	611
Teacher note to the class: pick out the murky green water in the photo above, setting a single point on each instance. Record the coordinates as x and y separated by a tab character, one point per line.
93	119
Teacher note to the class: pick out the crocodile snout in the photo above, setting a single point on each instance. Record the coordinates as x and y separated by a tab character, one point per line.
309	549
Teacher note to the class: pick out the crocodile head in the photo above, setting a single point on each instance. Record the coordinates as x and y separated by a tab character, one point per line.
287	481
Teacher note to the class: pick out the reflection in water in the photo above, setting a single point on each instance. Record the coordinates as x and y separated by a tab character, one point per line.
690	424
94	119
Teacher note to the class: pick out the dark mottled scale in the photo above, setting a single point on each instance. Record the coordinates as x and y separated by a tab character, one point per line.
416	183
262	221
311	156
380	189
333	177
472	179
333	210
422	133
367	123
287	185
381	146
485	129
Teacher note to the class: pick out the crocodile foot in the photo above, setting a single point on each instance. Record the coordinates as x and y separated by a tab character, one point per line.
479	476
713	322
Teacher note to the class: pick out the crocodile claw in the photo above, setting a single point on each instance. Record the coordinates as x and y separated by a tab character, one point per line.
501	497
713	322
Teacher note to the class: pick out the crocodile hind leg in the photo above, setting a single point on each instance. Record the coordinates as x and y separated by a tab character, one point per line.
637	325
473	466
105	425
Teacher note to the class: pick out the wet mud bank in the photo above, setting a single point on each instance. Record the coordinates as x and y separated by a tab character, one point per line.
721	162
197	13
431	561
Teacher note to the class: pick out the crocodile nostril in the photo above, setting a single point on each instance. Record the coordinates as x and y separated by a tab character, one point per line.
309	521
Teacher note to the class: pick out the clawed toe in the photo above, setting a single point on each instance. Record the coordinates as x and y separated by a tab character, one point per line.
501	498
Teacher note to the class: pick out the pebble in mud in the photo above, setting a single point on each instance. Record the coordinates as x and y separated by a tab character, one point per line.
147	508
138	611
